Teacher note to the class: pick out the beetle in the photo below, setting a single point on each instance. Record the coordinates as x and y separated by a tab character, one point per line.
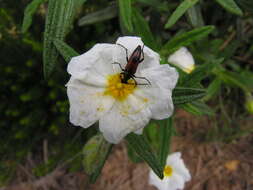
132	64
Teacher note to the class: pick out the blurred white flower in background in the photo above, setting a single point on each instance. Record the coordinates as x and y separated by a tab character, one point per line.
183	59
175	174
96	92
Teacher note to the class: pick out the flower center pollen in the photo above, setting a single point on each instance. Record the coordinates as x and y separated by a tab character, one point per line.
117	89
167	172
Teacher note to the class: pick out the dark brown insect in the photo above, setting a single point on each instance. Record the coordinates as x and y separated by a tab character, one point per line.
132	64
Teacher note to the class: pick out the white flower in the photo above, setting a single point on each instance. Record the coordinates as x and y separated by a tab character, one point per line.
96	93
183	59
175	174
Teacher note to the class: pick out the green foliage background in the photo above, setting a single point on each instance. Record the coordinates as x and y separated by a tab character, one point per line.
35	110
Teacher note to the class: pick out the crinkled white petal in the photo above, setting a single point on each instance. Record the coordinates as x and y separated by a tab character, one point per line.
163	79
183	59
161	76
159	101
178	165
87	103
178	178
124	117
93	65
175	182
151	58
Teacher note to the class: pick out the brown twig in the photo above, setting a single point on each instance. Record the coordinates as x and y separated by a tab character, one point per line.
45	151
230	38
239	58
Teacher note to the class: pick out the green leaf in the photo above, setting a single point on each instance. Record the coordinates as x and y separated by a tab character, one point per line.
237	80
180	10
58	23
246	4
186	39
95	153
212	89
230	6
99	16
141	28
126	14
65	50
197	108
182	95
159	5
165	132
195	16
29	12
132	155
142	148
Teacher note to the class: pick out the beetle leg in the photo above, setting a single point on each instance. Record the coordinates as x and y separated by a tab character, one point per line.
143	79
119	65
142	54
126	51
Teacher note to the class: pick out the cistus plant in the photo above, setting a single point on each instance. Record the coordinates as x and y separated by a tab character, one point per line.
97	89
196	54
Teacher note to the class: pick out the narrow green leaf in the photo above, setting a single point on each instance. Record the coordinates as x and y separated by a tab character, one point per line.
80	3
94	176
186	39
132	155
180	10
195	16
182	95
65	50
58	23
125	9
246	4
36	45
237	80
165	132
142	148
230	6
158	5
99	16
197	108
29	12
95	153
212	89
142	29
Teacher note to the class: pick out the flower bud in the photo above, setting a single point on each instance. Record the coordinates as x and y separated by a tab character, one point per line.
183	59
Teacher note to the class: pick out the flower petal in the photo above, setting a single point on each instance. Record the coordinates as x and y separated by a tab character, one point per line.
87	103
163	79
178	165
162	76
157	182
124	118
95	62
158	100
175	182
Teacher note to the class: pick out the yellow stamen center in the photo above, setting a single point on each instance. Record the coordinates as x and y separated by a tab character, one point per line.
167	172
117	89
189	69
